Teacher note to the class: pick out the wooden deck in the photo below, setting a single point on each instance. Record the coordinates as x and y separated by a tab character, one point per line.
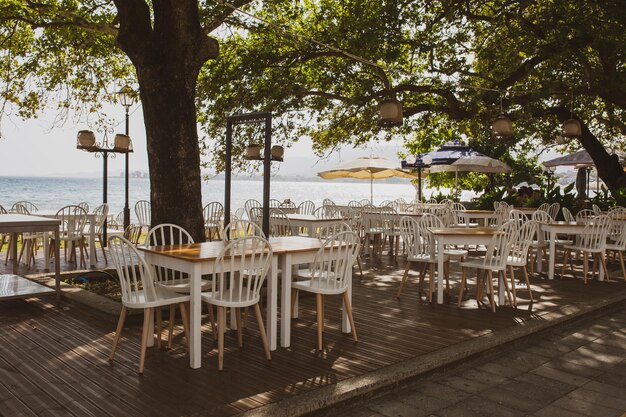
54	362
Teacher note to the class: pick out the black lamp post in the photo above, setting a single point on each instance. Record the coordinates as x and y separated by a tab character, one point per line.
418	164
126	99
549	172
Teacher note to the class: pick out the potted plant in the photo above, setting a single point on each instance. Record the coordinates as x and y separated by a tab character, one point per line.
122	142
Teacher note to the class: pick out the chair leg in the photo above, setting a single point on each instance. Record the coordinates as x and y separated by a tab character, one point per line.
404	278
212	320
358	262
294	298
493	300
104	254
566	256
259	320
239	329
431	282
348	307
159	326
319	298
606	271
530	292
462	288
503	279
512	270
446	274
585	267
594	267
147	312
185	318
118	331
220	338
170	332
422	275
621	260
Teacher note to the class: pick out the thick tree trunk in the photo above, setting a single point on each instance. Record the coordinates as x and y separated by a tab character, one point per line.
173	151
168	47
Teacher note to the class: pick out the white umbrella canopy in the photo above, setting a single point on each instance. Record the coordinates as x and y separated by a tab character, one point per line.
367	168
474	162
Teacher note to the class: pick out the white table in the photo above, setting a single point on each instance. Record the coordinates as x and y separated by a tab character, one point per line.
483	215
91	220
293	251
196	260
23	223
459	236
309	221
554	229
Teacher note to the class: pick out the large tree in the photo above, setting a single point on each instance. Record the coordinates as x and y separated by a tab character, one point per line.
449	61
73	52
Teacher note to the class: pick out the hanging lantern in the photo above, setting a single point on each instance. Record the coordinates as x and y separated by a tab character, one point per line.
253	152
122	142
502	126
572	129
390	113
277	152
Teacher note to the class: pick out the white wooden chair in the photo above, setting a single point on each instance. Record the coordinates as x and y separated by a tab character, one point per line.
306	207
554	210
143	210
279	223
71	232
541	239
213	213
518	255
494	261
248	205
100	213
591	242
30	207
429	220
328	275
568	216
419	242
252	255
239	228
585	215
596	209
140	292
616	241
84	205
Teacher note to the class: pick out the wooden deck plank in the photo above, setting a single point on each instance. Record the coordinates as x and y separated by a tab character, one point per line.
61	350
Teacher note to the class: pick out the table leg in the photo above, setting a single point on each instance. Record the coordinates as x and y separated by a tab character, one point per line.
440	248
195	320
285	301
14	251
501	278
272	304
57	265
92	243
46	248
552	254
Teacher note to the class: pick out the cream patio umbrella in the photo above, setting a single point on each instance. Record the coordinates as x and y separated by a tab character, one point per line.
367	168
472	162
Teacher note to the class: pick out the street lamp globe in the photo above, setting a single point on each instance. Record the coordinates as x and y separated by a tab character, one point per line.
126	96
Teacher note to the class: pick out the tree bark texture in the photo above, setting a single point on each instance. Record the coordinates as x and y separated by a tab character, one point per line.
168	53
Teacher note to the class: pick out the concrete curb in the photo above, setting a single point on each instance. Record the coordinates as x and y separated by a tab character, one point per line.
390	377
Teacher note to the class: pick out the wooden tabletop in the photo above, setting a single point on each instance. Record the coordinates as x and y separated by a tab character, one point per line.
209	251
309	217
477	211
462	231
17	220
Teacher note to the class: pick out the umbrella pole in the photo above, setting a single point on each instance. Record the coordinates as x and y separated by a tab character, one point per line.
371	188
456	181
419	184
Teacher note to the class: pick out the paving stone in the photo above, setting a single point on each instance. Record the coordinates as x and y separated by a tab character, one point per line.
392	408
485	378
514	399
575	368
550	386
588	356
463	384
560	375
585	407
506	371
553	411
616	391
424	405
458	411
436	389
618	403
489	408
610	378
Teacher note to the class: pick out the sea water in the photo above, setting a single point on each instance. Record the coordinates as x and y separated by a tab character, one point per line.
52	193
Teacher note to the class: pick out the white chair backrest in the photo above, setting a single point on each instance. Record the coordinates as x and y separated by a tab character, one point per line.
326	212
306	207
143	211
596	209
365	202
251	254
100	213
568	216
617	232
279	223
240	228
502	214
136	281
540	216
32	208
354	203
585	215
618	209
19	209
417	239
73	221
431	221
328	202
500	245
132	233
595	232
249	204
213	213
524	237
544	207
84	205
333	262
332	229
518	217
496	204
275	203
256	215
2	210
554	210
168	234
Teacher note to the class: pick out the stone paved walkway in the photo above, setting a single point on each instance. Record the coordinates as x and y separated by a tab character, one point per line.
572	372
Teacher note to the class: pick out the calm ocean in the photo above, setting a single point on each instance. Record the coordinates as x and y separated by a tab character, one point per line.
52	193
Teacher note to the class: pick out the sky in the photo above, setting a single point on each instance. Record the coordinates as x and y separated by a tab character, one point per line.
34	148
